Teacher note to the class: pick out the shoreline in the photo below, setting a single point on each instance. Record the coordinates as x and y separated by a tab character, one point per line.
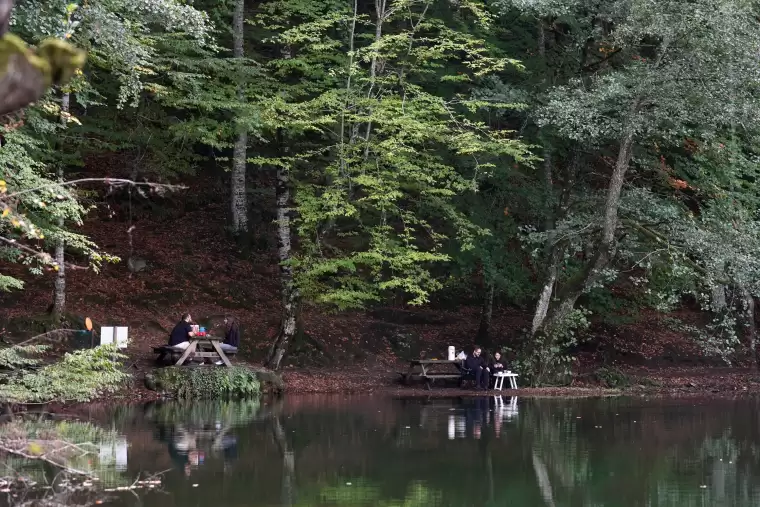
382	381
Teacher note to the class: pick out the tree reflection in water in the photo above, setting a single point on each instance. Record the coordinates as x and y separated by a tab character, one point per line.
375	451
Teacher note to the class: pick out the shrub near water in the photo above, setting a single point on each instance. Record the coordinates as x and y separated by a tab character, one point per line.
79	376
237	381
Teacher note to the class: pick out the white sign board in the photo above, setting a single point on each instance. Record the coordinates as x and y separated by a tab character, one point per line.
122	334
106	335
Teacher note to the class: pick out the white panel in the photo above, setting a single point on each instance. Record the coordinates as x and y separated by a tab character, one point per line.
106	335
122	334
121	453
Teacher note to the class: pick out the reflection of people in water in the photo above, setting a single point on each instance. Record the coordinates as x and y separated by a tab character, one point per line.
183	449
476	416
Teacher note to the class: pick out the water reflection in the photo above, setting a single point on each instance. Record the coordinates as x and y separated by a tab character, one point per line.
374	451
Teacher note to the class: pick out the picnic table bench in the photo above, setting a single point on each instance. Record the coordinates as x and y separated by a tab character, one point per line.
209	348
432	370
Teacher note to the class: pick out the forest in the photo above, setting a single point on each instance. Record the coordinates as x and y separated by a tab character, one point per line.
574	167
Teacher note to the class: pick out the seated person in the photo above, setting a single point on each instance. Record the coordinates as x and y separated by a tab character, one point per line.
180	336
231	334
477	365
496	365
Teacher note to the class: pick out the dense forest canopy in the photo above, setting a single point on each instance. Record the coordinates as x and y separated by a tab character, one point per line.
535	152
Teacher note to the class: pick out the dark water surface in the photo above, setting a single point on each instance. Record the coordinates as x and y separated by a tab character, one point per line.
497	451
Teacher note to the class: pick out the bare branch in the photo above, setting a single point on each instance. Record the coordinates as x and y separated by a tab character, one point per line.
56	464
43	256
113	182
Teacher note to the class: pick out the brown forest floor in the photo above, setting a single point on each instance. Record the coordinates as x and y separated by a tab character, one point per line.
193	266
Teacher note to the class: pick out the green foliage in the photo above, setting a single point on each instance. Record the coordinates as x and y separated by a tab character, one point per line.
409	140
79	376
547	359
12	358
612	377
381	136
237	381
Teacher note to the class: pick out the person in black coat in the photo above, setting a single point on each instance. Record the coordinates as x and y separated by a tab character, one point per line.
231	334
496	366
477	365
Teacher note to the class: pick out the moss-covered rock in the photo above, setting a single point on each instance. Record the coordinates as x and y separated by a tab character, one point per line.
207	382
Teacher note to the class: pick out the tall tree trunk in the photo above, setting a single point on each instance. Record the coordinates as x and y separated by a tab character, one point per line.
288	291
751	333
239	198
59	286
544	299
486	314
605	249
380	12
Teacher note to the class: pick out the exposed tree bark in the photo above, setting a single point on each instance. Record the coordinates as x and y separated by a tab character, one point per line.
544	299
288	290
718	302
239	198
484	331
550	280
751	328
59	286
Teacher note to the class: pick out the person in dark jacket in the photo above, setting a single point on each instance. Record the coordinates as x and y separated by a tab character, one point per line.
477	365
231	334
180	336
496	366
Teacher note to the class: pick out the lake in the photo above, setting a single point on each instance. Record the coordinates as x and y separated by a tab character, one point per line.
377	451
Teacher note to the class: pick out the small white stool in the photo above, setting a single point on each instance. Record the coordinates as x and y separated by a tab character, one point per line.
499	383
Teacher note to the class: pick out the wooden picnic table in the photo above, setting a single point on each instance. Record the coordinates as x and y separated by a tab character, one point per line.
431	370
209	341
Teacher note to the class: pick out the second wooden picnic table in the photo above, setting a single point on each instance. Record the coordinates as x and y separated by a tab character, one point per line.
431	370
212	342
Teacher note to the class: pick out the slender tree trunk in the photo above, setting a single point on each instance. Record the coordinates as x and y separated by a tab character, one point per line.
550	280
288	290
380	12
239	198
749	315
484	331
59	286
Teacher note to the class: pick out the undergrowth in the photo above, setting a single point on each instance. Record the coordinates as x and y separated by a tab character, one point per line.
237	381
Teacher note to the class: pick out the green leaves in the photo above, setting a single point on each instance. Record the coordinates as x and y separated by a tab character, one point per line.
381	141
79	376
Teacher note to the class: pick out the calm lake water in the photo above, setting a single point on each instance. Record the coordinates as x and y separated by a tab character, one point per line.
375	451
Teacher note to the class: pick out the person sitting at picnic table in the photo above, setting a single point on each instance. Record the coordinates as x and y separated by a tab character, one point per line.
231	334
496	366
477	365
180	336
